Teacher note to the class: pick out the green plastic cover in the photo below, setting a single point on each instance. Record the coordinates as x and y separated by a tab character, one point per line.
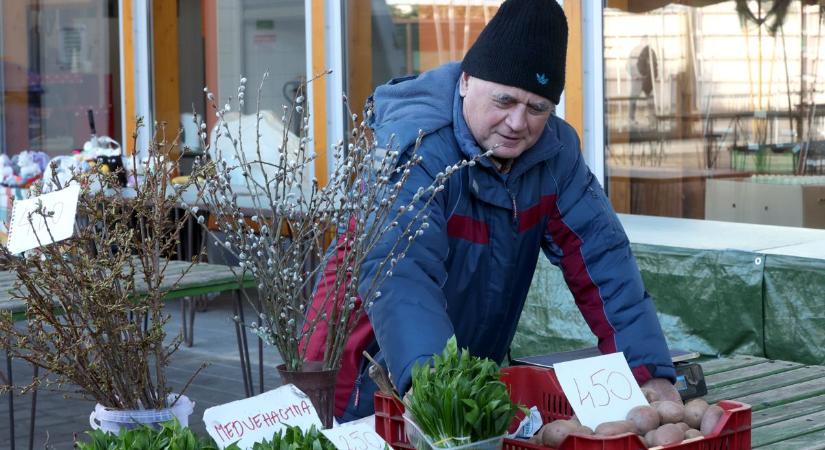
795	309
708	301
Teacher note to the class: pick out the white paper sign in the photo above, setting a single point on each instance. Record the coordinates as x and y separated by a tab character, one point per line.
24	235
257	418
600	389
358	436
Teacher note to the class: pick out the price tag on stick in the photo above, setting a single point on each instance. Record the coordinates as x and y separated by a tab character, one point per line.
359	436
600	389
32	227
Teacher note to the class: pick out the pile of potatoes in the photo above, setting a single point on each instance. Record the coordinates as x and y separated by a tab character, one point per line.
660	423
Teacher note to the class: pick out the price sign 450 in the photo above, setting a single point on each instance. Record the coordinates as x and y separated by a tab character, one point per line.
602	387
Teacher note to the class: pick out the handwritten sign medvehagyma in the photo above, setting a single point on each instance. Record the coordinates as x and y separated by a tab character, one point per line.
600	389
257	418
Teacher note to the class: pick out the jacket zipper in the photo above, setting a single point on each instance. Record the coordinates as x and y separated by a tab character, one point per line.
357	391
515	207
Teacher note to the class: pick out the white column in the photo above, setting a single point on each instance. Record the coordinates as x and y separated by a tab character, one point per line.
335	42
310	93
593	86
144	104
560	106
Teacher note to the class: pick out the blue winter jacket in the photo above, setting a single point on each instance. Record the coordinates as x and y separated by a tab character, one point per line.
470	271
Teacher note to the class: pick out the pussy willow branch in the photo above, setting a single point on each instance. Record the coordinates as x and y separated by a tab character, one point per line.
358	206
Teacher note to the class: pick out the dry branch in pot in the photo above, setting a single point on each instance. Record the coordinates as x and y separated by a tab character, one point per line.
94	302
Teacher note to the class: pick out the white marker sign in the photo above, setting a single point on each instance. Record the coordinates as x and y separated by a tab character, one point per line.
257	418
26	235
600	389
358	436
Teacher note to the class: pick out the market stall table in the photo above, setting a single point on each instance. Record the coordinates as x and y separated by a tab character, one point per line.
788	399
202	279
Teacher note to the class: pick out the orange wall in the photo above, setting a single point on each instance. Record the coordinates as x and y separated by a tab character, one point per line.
15	63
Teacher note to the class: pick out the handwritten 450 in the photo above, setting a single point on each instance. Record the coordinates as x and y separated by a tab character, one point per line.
602	386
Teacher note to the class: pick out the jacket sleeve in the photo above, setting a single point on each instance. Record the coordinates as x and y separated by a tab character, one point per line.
584	237
410	318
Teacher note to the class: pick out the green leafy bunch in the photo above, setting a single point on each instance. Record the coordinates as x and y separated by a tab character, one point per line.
460	399
293	438
170	436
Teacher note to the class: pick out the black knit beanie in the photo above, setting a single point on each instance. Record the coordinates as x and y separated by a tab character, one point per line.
524	46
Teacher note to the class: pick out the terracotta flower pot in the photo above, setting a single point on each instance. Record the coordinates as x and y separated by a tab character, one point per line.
316	383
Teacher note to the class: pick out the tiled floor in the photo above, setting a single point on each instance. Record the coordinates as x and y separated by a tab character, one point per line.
59	419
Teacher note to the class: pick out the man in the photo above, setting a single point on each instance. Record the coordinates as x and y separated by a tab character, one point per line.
469	273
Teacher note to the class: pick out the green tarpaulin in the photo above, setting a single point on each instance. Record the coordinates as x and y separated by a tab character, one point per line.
711	301
795	309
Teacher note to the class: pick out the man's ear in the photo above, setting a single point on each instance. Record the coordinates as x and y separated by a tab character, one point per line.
463	83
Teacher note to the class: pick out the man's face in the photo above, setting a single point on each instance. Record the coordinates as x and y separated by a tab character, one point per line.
506	119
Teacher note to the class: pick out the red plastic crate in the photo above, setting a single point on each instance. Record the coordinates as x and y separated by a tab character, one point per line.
539	387
389	423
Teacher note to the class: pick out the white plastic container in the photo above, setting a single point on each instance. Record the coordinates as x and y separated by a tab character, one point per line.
422	442
113	420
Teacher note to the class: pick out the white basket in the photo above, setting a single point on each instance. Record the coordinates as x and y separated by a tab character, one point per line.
113	420
421	441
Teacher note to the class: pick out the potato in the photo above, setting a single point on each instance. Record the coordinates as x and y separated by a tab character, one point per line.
645	418
683	426
649	437
615	428
555	432
692	433
670	412
587	431
650	394
709	420
667	434
575	419
694	410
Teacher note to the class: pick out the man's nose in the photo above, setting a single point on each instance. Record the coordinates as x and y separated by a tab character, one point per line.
517	118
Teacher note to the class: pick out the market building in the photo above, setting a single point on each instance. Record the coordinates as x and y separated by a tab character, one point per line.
703	120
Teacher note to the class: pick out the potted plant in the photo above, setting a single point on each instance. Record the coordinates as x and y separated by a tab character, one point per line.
94	302
458	402
279	223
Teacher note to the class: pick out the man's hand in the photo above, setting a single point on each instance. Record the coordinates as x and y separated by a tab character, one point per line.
664	388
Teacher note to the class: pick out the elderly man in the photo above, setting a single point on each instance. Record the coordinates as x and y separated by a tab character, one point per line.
469	273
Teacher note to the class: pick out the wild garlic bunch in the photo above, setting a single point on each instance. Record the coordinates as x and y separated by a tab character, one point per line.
459	399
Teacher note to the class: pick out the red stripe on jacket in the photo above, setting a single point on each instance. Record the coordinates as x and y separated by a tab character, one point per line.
584	290
469	229
531	216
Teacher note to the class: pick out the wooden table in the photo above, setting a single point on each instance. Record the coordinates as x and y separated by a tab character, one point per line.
202	279
788	399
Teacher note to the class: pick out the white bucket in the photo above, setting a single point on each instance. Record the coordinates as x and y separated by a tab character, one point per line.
112	420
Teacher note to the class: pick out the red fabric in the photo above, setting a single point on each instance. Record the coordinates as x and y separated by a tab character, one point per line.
641	374
531	216
361	336
584	290
469	229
